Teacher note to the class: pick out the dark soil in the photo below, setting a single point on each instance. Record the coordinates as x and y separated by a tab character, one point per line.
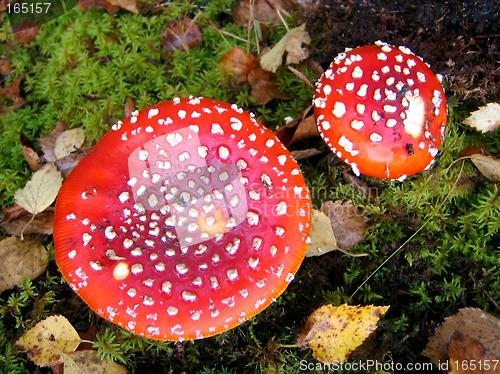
460	39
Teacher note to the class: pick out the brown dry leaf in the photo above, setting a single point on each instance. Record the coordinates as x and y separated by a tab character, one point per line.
89	362
291	43
306	129
98	4
184	34
47	343
264	88
13	212
30	155
48	143
68	142
322	236
129	107
334	332
486	118
238	64
68	163
41	190
473	322
42	224
468	356
305	153
130	5
5	66
20	259
489	166
25	32
349	226
13	93
264	11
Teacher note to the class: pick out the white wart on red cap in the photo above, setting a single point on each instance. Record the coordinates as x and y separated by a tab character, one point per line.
382	110
184	221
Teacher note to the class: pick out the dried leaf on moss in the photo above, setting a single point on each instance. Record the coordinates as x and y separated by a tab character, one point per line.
473	322
130	5
89	362
238	64
41	190
184	34
349	225
129	107
98	4
264	88
20	259
68	142
486	118
25	32
322	236
264	11
49	340
48	143
334	332
291	43
489	166
12	92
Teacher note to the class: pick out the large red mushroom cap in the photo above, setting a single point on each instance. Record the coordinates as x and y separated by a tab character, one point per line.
382	110
184	221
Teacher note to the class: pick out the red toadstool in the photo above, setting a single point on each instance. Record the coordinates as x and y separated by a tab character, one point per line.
184	221
382	110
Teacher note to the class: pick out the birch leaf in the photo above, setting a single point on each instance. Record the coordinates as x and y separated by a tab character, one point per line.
69	141
322	237
488	166
41	190
47	342
88	362
486	118
334	332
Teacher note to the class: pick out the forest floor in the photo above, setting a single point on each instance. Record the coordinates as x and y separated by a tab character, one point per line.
81	68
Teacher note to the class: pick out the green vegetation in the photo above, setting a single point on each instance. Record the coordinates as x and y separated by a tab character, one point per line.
81	69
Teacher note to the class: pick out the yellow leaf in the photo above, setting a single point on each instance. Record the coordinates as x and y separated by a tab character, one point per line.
88	362
49	340
20	259
322	237
334	332
41	190
486	118
290	43
488	166
69	141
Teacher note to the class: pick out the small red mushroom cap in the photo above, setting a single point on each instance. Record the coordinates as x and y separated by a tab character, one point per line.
382	110
184	221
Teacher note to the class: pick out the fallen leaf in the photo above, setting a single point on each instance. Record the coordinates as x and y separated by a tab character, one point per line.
264	88
89	362
184	34
48	143
30	155
468	356
486	118
5	66
20	259
334	332
305	153
68	142
291	43
41	190
42	224
264	11
49	340
130	5
98	4
349	225
13	92
322	236
25	32
238	64
473	322
489	166
13	212
68	163
129	107
306	129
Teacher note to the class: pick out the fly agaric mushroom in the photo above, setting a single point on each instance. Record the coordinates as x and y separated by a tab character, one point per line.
184	221
382	110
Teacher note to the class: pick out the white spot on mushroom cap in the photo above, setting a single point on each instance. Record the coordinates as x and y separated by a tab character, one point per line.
339	109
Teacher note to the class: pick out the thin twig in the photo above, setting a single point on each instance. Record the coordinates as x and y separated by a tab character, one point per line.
301	76
27	224
412	236
352	254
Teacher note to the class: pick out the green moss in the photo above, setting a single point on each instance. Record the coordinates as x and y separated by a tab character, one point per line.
81	69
